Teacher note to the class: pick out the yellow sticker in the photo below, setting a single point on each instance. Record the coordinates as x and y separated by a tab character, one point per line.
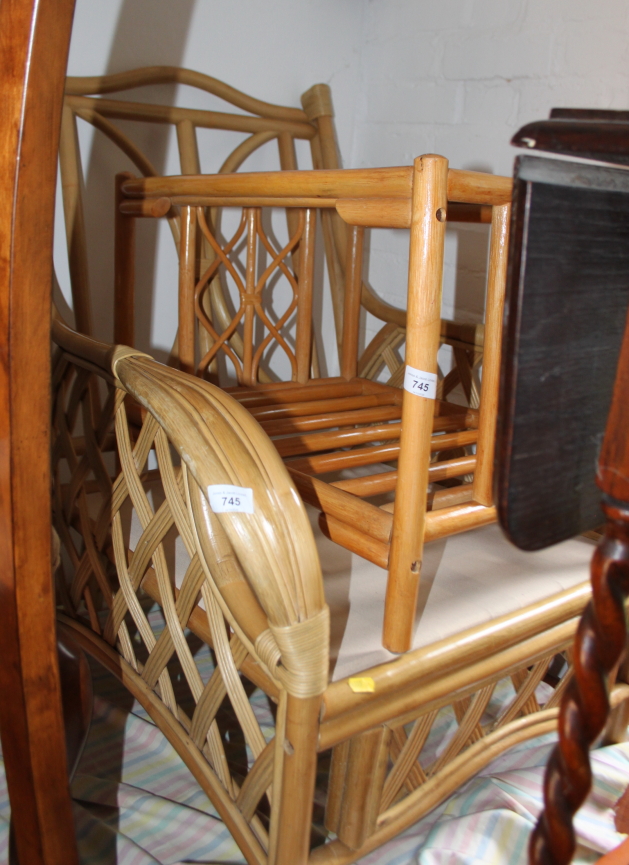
362	685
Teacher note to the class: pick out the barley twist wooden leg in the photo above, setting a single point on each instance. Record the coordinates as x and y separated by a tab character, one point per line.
599	643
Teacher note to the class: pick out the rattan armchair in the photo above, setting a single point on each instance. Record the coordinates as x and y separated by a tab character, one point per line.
140	452
325	427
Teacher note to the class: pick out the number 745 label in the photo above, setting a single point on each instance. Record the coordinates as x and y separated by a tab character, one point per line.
225	498
421	383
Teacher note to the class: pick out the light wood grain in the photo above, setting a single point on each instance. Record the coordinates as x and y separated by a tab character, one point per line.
424	310
351	308
305	265
155	207
343	506
381	182
462	186
364	779
124	271
186	288
171	114
354	540
129	80
496	282
259	574
400	707
396	212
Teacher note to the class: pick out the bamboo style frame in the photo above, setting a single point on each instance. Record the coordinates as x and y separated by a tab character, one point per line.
264	123
326	425
259	576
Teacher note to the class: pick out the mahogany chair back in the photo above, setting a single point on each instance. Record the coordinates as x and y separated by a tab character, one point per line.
564	408
326	426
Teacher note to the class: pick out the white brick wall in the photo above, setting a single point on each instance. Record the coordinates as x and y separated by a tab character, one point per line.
459	77
466	74
273	51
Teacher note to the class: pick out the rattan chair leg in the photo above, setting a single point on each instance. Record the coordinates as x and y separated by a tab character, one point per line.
365	771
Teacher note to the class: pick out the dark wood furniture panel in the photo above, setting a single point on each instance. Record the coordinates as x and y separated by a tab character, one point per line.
564	398
567	298
34	39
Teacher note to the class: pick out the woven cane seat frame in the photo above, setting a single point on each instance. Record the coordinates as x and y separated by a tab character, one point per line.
252	589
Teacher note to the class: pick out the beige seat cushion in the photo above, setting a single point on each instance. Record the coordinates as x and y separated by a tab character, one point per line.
466	580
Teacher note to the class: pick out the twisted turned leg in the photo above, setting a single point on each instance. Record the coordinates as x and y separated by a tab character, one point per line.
599	643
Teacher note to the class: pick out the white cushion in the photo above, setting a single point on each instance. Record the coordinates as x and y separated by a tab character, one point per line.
466	580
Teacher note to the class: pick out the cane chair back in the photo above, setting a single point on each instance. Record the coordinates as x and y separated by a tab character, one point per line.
327	425
150	558
263	123
89	99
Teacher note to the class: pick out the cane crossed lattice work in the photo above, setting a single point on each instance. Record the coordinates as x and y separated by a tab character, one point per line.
412	757
251	291
151	566
83	478
478	718
89	100
135	531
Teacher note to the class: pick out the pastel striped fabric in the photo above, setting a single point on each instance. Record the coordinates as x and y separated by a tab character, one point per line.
136	803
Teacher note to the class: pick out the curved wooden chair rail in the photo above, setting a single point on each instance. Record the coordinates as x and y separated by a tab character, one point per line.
323	425
250	586
262	124
35	38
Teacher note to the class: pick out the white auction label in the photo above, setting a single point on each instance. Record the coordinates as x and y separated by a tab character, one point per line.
225	498
421	383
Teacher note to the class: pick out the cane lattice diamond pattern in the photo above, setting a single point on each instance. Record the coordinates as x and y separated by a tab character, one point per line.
419	750
122	524
250	286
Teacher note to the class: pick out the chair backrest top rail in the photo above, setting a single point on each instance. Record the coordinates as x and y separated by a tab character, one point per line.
150	75
369	212
203	118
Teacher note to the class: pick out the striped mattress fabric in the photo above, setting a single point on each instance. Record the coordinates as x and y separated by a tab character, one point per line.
135	803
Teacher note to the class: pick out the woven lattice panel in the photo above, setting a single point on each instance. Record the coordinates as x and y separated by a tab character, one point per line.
419	750
237	261
123	510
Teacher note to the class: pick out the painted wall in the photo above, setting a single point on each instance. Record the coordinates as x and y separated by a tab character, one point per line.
456	77
271	52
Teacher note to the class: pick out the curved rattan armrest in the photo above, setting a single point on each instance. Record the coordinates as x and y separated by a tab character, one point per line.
86	349
263	564
220	443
